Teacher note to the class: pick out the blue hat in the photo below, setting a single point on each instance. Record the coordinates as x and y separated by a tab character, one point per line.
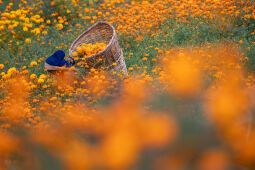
57	59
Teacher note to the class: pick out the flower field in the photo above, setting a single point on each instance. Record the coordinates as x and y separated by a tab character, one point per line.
187	102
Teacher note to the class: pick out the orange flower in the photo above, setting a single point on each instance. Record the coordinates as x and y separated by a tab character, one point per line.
184	77
120	149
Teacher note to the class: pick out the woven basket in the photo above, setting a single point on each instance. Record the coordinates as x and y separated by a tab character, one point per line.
102	32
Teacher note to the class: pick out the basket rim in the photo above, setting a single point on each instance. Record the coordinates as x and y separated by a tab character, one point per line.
90	28
53	68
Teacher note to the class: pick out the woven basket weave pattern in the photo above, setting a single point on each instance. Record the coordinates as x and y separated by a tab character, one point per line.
102	32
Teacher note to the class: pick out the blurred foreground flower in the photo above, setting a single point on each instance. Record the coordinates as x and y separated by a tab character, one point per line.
183	75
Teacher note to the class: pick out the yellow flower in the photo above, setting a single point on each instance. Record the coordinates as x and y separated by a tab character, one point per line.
60	26
33	63
75	54
86	10
36	31
11	71
45	32
72	68
40	81
43	76
33	76
144	58
80	50
25	29
90	49
1	27
1	66
92	70
28	40
53	99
